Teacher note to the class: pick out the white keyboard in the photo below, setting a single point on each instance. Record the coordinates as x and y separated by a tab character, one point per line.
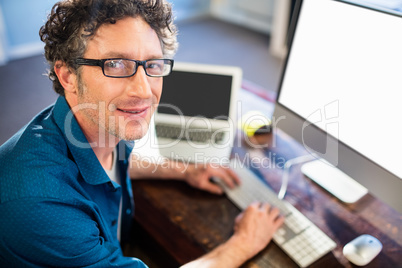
298	237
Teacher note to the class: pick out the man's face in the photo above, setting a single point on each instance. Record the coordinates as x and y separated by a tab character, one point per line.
124	105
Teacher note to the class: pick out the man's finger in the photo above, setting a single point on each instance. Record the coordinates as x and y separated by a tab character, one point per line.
220	174
274	213
213	188
234	176
279	221
265	207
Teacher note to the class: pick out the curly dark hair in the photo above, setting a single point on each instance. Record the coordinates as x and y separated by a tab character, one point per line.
72	22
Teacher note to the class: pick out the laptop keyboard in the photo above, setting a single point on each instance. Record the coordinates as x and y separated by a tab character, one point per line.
195	135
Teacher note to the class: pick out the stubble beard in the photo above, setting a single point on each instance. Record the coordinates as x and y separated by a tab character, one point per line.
107	123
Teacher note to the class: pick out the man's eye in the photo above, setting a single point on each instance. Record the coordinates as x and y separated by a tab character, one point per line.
114	64
154	66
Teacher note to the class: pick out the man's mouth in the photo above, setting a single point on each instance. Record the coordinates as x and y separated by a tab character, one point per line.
133	111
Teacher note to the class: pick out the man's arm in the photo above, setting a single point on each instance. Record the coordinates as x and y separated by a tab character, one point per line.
253	231
49	232
197	175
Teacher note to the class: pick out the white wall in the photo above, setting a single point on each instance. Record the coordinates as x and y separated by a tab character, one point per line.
21	21
190	9
254	14
3	57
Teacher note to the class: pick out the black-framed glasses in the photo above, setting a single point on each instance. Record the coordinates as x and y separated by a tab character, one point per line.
120	68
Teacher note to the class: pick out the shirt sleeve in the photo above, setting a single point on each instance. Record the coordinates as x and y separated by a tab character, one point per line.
38	232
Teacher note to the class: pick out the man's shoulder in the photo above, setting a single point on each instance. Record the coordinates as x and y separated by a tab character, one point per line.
40	139
35	160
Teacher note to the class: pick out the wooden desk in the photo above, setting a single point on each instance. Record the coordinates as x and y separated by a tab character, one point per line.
188	222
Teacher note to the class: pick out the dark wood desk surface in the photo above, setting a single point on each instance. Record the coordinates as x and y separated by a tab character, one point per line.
188	222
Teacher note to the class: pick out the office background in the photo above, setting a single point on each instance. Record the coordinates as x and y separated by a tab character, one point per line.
209	32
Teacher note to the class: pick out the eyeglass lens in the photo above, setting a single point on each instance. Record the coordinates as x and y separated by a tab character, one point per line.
123	67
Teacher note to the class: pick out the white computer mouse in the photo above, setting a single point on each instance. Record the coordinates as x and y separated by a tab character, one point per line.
362	249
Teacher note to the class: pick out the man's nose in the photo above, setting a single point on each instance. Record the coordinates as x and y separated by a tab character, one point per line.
139	86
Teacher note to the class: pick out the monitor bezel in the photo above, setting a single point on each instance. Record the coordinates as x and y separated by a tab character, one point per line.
380	182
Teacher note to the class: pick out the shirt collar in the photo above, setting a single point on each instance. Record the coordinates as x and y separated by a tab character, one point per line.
85	158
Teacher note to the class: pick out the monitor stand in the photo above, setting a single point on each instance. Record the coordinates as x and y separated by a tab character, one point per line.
334	181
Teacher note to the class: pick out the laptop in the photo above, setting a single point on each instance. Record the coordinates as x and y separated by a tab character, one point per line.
195	120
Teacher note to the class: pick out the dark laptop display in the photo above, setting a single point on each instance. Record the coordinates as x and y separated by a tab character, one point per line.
196	94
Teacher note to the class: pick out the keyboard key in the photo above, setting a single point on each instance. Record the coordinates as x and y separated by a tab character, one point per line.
195	135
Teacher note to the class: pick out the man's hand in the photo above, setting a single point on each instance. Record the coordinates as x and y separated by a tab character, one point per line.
255	227
199	175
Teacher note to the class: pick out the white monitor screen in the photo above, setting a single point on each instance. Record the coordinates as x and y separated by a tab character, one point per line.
346	61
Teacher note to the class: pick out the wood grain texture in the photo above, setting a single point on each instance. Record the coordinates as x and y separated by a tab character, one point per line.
188	222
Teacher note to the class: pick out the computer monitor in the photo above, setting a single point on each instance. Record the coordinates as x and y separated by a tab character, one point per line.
340	91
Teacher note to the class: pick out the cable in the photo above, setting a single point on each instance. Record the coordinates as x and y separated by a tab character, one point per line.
286	171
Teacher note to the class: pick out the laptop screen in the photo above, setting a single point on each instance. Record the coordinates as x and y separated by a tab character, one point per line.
196	94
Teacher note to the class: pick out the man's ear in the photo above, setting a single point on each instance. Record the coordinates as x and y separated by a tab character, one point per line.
67	78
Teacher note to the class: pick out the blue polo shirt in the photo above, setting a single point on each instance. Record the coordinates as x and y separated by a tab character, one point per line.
58	207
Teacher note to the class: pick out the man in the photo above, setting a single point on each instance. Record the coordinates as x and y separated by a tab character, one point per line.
64	184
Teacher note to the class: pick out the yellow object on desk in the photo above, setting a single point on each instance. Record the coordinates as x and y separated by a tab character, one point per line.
255	122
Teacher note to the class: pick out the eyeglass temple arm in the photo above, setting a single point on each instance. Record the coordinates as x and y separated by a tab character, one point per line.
89	62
